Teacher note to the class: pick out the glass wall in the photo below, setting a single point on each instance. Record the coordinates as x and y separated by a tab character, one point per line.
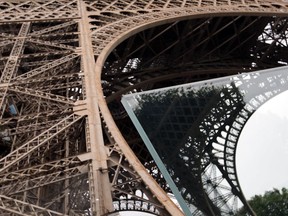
192	127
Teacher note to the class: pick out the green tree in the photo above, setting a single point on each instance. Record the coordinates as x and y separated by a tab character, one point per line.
272	203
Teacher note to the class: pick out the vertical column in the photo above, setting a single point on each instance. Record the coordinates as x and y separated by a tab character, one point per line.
67	181
100	187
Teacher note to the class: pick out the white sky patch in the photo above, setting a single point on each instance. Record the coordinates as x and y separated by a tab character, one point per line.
262	154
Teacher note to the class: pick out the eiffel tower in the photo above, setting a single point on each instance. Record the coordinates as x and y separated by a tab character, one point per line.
67	145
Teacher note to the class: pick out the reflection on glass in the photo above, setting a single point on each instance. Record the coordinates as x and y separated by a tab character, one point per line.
192	132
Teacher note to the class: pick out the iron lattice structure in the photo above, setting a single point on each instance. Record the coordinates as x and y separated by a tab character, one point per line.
67	145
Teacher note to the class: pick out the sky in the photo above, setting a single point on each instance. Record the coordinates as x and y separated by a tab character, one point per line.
262	152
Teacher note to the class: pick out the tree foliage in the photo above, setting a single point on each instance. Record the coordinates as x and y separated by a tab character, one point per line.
272	203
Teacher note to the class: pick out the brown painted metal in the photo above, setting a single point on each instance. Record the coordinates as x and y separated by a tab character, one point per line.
59	141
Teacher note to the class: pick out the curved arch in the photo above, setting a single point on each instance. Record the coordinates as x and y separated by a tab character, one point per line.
124	28
127	27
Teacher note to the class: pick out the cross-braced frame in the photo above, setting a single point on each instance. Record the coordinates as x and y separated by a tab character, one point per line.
67	145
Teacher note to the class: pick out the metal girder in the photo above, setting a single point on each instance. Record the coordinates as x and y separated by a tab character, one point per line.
27	148
12	62
47	67
44	180
35	81
126	183
48	167
165	4
35	10
37	126
59	57
53	28
41	94
101	201
34	116
19	207
48	43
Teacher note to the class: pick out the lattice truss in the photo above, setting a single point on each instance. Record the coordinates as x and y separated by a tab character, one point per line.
63	151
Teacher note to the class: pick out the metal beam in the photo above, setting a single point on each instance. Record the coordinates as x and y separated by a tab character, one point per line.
18	207
35	143
100	188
